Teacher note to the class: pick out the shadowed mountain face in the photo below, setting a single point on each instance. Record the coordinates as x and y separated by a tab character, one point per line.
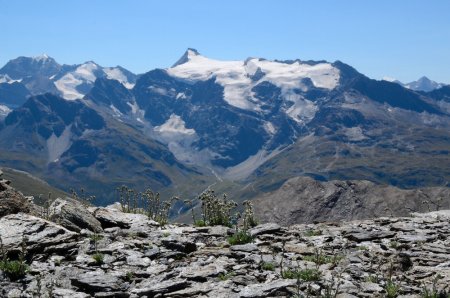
72	145
255	123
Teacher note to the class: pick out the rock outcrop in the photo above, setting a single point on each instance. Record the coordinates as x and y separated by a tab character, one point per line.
305	200
73	215
104	252
11	201
363	258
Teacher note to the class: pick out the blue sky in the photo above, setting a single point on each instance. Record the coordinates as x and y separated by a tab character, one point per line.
396	38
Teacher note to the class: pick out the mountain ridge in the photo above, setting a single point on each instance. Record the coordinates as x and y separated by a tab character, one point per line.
250	122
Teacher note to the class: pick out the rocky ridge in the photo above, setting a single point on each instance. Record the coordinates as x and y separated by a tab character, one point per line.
140	258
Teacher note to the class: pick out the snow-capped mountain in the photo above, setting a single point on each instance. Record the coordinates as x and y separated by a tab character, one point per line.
257	122
422	84
43	74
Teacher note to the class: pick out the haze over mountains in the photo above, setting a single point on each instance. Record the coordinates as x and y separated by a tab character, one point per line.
246	126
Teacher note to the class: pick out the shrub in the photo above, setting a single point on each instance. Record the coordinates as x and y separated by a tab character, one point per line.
98	258
240	237
268	266
307	274
148	203
311	233
216	211
434	292
249	219
392	289
199	223
14	269
320	258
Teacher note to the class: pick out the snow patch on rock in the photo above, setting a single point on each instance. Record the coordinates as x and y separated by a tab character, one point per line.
56	146
174	125
115	73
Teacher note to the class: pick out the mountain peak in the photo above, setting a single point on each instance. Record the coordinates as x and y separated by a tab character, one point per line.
188	55
424	79
43	58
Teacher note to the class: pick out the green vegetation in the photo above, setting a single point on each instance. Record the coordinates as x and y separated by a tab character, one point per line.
268	266
434	291
393	244
311	233
320	258
307	274
226	276
240	237
129	276
216	211
392	289
98	258
14	269
199	223
249	219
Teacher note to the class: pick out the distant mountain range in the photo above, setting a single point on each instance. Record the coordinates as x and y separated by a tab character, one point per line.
243	126
422	84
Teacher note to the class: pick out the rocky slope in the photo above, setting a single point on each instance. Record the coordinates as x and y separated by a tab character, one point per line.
140	258
305	200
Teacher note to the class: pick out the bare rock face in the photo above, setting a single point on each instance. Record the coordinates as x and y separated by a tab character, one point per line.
305	200
73	215
40	236
11	201
111	216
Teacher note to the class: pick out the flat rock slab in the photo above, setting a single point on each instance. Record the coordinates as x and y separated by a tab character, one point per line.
151	287
244	247
111	217
40	235
369	236
201	273
97	281
268	228
274	289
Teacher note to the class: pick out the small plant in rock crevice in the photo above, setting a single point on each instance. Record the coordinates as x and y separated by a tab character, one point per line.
14	269
97	256
392	289
319	258
226	276
268	266
240	237
435	291
311	233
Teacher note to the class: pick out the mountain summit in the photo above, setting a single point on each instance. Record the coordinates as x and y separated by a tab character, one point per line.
253	123
187	56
